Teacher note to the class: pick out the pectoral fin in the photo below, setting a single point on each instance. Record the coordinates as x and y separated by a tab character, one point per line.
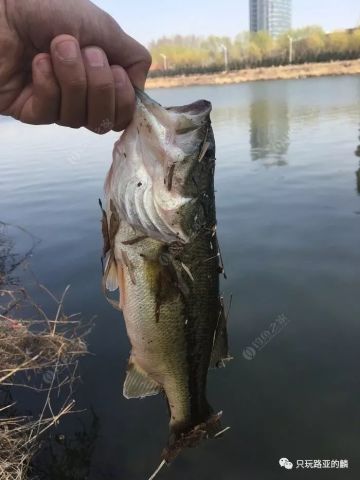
138	384
113	279
111	274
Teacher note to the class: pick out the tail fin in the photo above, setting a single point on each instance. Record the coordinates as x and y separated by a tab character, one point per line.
211	428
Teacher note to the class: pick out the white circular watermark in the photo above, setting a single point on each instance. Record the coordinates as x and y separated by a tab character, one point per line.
249	353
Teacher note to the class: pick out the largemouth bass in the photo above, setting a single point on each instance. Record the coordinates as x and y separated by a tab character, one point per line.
161	251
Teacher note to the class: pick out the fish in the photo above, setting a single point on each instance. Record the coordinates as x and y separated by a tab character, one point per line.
162	253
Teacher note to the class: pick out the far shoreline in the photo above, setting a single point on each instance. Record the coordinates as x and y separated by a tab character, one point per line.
286	72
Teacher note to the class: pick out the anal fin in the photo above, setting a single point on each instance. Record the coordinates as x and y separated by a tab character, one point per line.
138	384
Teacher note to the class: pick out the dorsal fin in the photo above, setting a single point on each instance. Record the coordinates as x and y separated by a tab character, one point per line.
220	350
138	384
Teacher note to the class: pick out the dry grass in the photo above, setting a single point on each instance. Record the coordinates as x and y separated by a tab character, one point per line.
286	72
38	353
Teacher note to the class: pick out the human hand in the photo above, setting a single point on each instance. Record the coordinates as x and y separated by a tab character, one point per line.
68	62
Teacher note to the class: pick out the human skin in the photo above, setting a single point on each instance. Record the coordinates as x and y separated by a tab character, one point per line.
68	62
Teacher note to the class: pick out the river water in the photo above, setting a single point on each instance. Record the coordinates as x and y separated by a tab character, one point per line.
289	226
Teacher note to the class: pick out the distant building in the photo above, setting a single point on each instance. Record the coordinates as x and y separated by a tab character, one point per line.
272	16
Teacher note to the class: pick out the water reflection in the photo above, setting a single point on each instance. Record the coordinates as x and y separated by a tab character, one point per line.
357	153
277	229
68	457
269	126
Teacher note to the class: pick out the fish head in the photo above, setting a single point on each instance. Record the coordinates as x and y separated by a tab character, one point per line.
159	174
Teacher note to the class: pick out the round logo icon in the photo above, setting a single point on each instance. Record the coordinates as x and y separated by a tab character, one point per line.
249	353
284	462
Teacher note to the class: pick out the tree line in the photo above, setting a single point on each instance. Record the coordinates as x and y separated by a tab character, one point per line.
193	54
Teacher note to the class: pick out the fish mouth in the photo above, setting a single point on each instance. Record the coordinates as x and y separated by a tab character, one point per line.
195	111
153	161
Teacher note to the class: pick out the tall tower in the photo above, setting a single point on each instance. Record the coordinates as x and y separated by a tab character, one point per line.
272	16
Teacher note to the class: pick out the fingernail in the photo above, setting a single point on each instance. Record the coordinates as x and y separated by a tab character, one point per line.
95	57
67	50
45	66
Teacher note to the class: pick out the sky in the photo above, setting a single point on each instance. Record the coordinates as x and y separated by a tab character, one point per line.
148	20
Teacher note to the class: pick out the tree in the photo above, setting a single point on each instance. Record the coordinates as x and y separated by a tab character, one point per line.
354	42
338	43
314	43
254	53
193	53
264	42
